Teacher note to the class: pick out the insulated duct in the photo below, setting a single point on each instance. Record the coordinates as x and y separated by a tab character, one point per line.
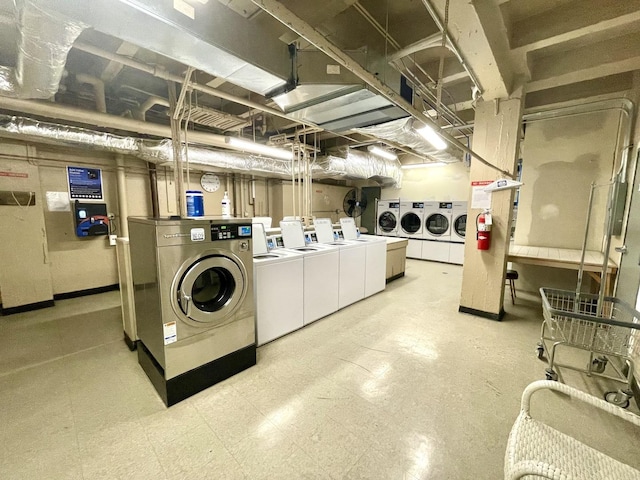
156	151
402	132
360	165
43	43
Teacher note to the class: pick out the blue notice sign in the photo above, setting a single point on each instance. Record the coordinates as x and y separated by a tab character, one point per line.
85	183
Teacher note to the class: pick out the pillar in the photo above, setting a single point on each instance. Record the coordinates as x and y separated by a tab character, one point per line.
496	138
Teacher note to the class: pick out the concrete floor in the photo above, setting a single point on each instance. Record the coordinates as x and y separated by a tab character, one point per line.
398	386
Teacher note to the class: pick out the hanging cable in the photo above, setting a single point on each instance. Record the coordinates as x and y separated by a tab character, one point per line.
441	66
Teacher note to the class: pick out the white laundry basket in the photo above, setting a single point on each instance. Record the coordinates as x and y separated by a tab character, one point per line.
536	450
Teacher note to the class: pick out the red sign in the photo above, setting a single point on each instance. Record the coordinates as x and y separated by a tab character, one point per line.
14	174
481	183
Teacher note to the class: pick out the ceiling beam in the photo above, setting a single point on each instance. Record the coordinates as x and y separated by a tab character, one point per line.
477	29
306	31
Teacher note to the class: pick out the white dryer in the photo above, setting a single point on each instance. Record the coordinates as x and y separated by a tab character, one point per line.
388	218
351	276
437	231
458	231
411	219
376	256
278	289
321	270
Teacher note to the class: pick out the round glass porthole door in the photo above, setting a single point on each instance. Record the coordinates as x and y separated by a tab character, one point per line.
211	289
437	224
410	223
460	225
387	222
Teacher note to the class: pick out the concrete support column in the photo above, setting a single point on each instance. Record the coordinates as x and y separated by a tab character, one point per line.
496	138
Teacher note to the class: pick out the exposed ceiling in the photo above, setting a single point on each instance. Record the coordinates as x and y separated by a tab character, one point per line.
247	61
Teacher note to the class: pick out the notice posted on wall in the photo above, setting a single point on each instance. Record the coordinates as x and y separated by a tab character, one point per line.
479	198
84	183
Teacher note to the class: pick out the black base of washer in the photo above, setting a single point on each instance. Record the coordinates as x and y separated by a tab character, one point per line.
189	383
482	313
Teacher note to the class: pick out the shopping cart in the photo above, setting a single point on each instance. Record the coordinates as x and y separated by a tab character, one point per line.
606	329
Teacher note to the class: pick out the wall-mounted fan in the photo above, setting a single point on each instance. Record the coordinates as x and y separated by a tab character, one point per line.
354	203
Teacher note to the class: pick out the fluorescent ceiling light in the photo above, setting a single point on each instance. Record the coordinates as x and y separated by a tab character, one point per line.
423	165
381	152
430	135
253	147
203	2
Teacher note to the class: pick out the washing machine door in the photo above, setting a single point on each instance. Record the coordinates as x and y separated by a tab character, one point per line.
387	222
410	223
437	224
211	289
460	225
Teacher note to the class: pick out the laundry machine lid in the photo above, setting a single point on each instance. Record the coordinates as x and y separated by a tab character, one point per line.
324	230
349	229
292	233
259	238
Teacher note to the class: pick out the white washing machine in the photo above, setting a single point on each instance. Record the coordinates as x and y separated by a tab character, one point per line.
376	256
353	254
388	219
458	231
321	271
193	295
278	289
436	231
411	219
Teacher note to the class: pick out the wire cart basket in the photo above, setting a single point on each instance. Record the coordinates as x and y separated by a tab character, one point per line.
603	326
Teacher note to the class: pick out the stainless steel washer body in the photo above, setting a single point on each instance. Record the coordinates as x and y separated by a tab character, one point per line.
193	291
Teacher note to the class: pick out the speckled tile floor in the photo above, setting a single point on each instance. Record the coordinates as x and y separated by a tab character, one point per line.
399	386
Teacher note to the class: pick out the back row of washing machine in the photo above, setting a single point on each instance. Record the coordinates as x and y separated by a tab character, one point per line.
303	275
436	230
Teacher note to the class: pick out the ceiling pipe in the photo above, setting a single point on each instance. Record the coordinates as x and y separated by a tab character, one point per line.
306	31
98	90
454	46
148	104
163	74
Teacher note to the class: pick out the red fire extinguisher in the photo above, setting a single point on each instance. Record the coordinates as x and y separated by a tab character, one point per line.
483	227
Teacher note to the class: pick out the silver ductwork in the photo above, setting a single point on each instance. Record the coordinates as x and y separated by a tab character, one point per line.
402	132
357	165
215	39
155	151
43	43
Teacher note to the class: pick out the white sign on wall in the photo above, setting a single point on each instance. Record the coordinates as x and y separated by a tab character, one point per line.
479	198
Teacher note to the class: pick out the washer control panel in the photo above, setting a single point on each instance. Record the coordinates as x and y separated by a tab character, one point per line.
230	232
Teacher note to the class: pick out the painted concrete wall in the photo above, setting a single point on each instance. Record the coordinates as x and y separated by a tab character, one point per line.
326	201
561	158
443	183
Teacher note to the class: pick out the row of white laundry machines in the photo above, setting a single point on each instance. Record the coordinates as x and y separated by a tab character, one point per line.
435	230
302	275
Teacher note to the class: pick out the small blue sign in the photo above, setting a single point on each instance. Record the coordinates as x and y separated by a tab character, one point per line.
85	183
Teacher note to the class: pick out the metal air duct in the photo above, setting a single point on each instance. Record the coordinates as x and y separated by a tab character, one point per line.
43	42
355	164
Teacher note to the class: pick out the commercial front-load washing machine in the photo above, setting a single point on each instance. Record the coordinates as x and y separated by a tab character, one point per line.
458	230
411	218
437	231
193	294
388	217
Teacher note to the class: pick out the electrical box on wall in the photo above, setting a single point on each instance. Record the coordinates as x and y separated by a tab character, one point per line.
91	219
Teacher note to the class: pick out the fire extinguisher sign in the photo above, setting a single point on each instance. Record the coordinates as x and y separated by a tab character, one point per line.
480	198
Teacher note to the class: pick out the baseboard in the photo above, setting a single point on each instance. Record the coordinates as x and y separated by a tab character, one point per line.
88	291
481	313
395	277
26	308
